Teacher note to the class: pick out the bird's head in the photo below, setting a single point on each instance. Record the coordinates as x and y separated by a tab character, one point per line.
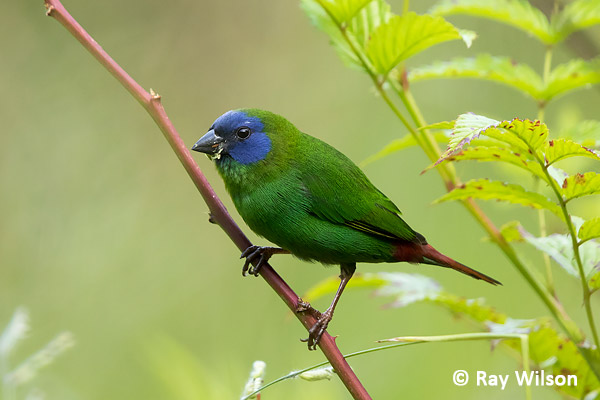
239	134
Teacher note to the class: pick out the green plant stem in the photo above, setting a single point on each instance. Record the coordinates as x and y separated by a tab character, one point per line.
545	256
451	181
398	113
546	78
410	340
541	212
406	6
524	339
415	112
547	297
563	205
376	81
573	233
546	294
526	364
541	111
551	303
547	64
459	337
294	374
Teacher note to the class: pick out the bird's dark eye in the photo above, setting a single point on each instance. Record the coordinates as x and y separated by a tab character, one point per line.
243	132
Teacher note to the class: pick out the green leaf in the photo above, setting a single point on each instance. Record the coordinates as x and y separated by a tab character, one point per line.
510	231
558	355
343	10
494	153
446	125
319	17
523	135
559	149
577	15
517	13
590	258
577	222
358	29
589	230
494	190
560	249
557	174
511	325
375	14
585	132
467	128
397	145
594	282
330	285
532	134
404	36
467	36
572	75
557	246
408	289
486	67
579	185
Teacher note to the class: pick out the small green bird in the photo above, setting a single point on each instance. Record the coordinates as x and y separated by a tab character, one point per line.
311	200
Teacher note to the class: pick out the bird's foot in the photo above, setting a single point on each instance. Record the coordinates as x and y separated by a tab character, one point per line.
303	306
253	252
317	330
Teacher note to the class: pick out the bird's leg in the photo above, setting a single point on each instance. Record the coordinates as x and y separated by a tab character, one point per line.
255	251
316	331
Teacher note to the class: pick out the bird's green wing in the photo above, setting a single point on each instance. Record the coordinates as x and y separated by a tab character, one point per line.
341	193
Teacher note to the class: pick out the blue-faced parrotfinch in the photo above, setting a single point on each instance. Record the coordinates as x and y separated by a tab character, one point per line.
311	200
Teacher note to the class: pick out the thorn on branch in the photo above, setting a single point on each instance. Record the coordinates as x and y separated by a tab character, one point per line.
155	96
211	218
49	9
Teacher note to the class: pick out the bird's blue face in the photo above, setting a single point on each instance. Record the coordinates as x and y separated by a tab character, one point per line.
237	135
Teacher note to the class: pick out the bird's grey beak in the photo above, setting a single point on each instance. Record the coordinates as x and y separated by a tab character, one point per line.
209	143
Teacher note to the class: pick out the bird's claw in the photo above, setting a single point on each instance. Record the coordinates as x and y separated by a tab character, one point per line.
250	254
317	330
303	306
254	251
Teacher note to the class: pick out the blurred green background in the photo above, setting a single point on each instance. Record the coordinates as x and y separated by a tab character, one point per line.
103	234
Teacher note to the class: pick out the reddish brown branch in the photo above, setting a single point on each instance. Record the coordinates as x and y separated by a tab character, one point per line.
151	102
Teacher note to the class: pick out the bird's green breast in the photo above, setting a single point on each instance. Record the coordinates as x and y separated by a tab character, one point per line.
272	197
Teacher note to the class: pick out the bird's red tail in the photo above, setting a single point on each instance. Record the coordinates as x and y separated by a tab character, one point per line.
426	254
